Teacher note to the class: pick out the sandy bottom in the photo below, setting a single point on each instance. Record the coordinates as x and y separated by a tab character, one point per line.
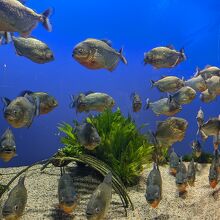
42	197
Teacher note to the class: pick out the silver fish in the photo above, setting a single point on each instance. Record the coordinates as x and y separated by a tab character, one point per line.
15	17
197	83
164	57
197	148
15	204
47	102
171	130
168	84
213	85
21	111
181	177
211	127
153	193
7	146
200	117
214	170
165	106
208	72
206	96
100	200
33	49
92	101
191	173
185	95
174	162
68	198
88	136
136	102
97	54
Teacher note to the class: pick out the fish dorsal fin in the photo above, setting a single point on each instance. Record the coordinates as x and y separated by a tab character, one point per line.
88	92
170	46
207	66
25	92
108	42
163	76
6	101
21	180
22	2
197	71
108	178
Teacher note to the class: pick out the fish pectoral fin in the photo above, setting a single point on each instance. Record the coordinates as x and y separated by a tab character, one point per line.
177	60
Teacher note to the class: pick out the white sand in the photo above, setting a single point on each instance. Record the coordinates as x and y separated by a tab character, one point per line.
42	197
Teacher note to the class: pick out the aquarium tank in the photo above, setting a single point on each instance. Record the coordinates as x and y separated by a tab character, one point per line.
113	88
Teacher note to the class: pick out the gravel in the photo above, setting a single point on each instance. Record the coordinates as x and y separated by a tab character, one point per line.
42	196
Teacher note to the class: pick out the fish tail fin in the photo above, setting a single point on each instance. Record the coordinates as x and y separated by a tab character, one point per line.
123	59
21	180
182	53
73	103
147	106
152	83
108	178
37	112
45	19
8	37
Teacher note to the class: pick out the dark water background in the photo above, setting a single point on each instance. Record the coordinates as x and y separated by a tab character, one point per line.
138	26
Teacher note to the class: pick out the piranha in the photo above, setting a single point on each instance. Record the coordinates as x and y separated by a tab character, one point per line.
216	141
211	127
15	204
100	200
197	148
153	193
164	57
21	111
98	54
136	102
185	95
92	101
197	83
200	117
33	49
207	97
208	72
214	171
47	102
191	173
168	84
7	146
174	162
88	135
165	106
15	17
171	130
213	85
181	177
68	198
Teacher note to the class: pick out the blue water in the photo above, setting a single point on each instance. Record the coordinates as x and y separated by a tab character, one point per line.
138	26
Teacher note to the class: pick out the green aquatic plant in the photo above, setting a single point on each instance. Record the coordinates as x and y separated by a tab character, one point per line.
122	146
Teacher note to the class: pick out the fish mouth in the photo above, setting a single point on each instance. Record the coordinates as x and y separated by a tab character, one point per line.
213	183
67	207
181	187
173	171
9	116
153	202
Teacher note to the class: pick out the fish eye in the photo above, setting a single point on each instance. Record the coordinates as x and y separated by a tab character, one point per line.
97	210
15	112
16	207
